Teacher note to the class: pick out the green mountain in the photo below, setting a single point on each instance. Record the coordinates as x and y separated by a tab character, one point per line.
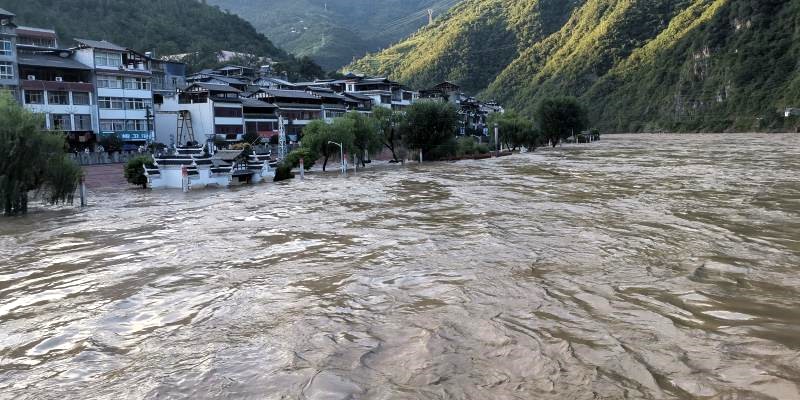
637	65
163	26
334	32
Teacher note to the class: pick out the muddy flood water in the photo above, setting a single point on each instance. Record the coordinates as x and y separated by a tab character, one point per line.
642	266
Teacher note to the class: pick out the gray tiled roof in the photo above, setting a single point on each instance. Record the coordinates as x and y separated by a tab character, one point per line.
100	44
299	94
216	87
50	60
256	103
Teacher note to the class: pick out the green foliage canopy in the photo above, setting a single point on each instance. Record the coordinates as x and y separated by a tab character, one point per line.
134	170
32	159
430	127
317	137
560	117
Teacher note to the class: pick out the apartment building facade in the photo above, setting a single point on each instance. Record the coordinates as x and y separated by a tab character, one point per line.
124	90
8	53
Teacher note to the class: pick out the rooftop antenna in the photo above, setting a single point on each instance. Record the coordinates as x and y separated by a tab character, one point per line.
430	16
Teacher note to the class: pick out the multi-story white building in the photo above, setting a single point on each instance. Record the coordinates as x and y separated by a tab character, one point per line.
123	88
8	52
215	112
54	84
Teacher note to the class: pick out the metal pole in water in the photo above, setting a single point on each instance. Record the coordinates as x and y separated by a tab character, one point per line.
302	169
184	179
83	191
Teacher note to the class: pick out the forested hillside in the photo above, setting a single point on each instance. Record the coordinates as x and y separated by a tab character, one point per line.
163	26
637	65
333	32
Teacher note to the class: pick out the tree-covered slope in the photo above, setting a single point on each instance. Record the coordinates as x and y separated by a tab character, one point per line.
164	26
636	64
333	32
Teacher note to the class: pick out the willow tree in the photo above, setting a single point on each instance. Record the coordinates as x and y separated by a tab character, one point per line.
431	128
560	118
388	122
366	137
318	135
32	160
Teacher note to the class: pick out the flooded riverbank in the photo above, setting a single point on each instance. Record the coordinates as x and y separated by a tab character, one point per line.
642	266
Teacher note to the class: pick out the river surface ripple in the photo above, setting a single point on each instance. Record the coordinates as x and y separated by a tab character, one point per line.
643	266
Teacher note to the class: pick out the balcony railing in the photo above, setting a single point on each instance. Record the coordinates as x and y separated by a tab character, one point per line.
259	116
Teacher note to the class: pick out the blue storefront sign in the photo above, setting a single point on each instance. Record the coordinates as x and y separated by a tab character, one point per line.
129	136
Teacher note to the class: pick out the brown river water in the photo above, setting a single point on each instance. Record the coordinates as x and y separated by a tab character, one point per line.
642	266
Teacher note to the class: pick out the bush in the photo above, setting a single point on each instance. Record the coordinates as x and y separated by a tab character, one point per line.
283	172
466	146
134	170
111	143
482	148
308	156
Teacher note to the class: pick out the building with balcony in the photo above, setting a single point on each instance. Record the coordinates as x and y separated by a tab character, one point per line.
298	108
168	77
54	84
260	118
36	38
123	87
8	53
216	114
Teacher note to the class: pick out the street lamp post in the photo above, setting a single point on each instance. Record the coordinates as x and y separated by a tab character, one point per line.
497	138
341	154
150	134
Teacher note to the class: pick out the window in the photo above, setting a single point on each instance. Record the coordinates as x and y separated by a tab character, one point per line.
60	122
81	98
83	122
137	84
107	125
34	97
58	98
106	59
136	125
5	47
138	104
228	129
226	112
110	103
109	82
6	70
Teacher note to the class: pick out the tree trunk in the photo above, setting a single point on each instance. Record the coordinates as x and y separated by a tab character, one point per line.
325	163
391	148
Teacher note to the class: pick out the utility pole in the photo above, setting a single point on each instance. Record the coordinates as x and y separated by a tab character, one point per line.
281	139
430	16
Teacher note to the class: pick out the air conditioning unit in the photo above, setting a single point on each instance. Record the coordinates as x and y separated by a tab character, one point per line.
59	79
31	77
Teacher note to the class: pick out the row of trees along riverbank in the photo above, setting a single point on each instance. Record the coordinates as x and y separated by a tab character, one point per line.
430	128
32	160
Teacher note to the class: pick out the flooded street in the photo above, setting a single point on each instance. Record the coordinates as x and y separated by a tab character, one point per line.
642	266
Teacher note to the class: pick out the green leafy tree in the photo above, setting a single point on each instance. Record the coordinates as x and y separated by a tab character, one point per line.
134	170
111	143
317	137
515	131
389	122
32	160
560	117
430	127
366	136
